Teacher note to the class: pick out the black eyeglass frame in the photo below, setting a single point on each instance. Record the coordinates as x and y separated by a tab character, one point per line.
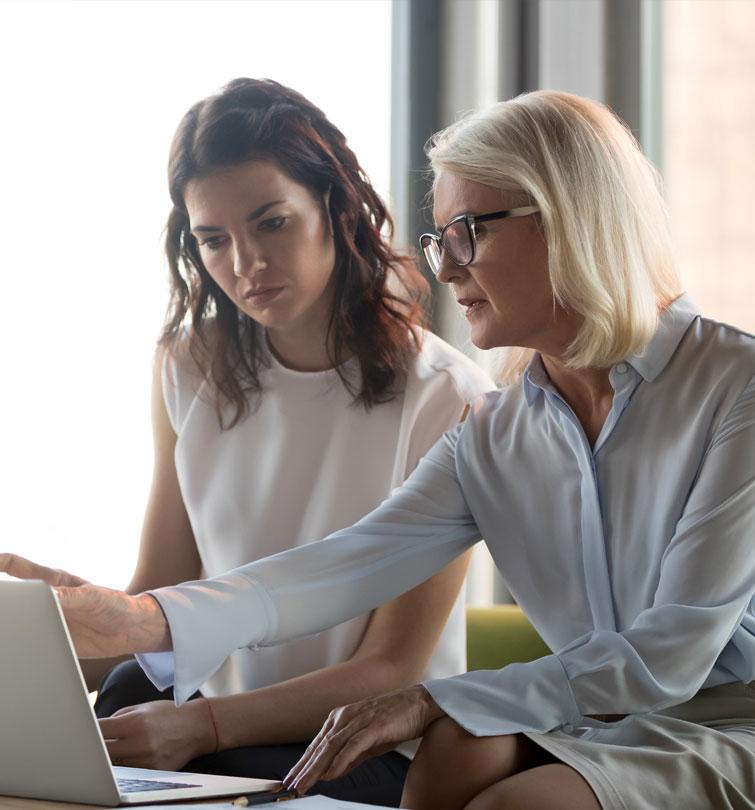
469	221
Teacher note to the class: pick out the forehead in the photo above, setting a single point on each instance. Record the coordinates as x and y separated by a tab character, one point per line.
453	195
247	185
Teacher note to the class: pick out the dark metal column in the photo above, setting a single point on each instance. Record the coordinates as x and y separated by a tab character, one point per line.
416	89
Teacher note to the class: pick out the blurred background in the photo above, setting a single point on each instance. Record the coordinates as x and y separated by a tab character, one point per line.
91	93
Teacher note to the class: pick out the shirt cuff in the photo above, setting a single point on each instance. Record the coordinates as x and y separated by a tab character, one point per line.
158	667
534	697
208	620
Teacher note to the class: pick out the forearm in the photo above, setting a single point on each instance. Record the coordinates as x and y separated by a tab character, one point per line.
295	710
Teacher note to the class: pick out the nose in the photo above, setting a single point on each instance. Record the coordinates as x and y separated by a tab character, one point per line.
248	258
449	272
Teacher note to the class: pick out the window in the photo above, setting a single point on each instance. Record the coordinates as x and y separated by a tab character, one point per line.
709	154
91	95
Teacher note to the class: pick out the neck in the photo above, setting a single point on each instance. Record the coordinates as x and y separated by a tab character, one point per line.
588	392
587	385
301	350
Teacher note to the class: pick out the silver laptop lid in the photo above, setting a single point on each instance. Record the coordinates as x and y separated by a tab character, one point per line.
50	744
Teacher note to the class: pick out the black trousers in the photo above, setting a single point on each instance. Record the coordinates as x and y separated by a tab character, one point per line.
377	781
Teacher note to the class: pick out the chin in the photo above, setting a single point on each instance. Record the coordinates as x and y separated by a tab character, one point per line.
267	317
483	339
496	335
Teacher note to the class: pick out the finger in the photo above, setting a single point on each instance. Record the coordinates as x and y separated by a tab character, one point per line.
308	753
325	754
21	568
304	762
340	762
65	578
116	727
352	756
290	777
127	752
124	710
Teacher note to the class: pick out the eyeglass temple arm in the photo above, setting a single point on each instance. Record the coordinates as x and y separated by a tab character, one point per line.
522	211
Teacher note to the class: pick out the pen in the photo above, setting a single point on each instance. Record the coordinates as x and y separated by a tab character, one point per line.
251	799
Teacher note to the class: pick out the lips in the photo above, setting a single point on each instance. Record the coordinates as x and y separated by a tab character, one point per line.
472	305
259	296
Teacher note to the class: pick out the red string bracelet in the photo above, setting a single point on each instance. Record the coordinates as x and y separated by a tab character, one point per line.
214	724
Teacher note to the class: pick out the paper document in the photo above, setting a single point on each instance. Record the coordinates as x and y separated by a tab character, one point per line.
307	803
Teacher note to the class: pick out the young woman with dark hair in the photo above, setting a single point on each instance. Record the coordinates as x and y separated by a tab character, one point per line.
372	306
295	386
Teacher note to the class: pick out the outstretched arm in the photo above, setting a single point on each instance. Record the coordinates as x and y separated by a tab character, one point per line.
418	530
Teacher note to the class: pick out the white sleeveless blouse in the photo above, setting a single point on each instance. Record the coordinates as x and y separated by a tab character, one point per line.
304	463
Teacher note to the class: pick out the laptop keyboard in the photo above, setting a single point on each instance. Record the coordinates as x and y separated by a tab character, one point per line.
136	785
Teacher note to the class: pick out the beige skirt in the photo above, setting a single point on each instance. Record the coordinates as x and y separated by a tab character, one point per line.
696	756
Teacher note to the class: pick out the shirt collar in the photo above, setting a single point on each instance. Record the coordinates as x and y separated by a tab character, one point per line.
672	324
535	379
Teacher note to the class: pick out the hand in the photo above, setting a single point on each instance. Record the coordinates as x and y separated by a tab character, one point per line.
159	735
360	731
21	568
104	623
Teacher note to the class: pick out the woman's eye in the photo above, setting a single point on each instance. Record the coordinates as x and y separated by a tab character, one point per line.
272	224
212	242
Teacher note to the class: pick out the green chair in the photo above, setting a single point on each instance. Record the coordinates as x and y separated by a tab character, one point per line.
501	635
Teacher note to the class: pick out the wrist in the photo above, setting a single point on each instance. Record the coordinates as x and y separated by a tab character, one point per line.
430	709
149	627
207	734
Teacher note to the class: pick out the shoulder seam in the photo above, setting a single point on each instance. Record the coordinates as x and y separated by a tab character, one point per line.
735	329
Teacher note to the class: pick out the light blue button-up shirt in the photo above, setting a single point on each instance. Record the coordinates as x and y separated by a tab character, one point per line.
634	558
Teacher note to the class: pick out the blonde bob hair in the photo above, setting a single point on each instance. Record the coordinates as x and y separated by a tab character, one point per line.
601	208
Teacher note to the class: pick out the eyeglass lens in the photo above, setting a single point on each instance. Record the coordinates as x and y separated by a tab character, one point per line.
432	253
457	241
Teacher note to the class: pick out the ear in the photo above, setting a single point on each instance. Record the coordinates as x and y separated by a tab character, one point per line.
326	203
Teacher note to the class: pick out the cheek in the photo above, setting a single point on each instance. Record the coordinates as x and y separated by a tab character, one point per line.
314	261
221	272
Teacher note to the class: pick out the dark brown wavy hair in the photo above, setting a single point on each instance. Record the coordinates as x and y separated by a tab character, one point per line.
379	304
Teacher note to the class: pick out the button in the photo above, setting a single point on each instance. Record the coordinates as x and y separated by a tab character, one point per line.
622	368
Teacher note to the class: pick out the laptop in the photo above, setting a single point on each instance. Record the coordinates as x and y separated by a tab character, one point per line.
50	742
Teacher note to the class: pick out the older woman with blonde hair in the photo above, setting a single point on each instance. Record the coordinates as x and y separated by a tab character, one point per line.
613	480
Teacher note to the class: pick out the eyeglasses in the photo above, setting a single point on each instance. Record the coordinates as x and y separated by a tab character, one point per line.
458	237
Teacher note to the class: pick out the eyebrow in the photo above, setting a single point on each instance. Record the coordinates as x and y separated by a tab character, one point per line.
256	214
439	228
